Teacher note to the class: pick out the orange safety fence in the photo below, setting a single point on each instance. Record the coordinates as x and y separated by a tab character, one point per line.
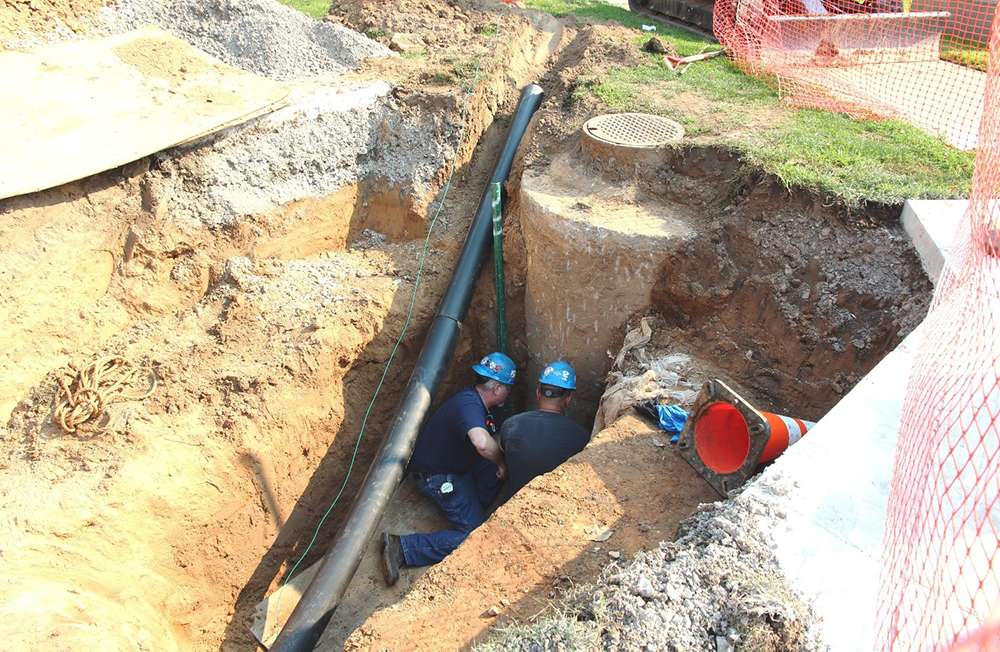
922	61
940	580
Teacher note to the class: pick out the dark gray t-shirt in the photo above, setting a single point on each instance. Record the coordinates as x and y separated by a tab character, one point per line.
536	442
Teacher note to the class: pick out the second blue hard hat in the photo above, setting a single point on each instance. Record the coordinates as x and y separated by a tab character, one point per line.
498	367
558	374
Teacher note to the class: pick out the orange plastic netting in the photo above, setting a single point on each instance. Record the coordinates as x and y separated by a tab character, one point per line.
939	585
917	60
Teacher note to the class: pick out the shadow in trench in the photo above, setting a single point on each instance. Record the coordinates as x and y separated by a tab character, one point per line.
299	532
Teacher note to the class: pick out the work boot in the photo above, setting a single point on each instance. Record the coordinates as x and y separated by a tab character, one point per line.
392	557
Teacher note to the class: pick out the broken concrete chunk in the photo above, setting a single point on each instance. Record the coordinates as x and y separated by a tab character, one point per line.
603	536
723	644
644	589
407	43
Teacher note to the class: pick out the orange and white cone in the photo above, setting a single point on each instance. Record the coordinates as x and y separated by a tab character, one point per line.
722	436
726	438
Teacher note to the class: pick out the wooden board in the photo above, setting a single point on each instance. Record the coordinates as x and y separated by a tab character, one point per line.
74	109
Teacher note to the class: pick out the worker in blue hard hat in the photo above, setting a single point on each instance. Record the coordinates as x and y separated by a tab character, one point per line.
458	464
537	442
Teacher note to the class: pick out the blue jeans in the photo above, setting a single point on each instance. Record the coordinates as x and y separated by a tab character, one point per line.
465	506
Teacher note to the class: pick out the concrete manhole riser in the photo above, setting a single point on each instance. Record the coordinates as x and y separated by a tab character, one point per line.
625	139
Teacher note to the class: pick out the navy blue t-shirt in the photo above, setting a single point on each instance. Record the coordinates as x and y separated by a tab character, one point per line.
443	445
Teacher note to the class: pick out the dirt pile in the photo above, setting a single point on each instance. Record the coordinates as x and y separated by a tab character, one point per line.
717	587
259	36
33	20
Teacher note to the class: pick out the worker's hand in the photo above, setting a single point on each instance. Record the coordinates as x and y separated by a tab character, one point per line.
501	471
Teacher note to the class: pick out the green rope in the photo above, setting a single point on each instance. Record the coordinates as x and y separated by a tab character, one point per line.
409	314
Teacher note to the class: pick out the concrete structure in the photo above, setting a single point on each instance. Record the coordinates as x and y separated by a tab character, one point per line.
931	225
828	493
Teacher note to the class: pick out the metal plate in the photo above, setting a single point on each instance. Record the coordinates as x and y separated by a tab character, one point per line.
634	130
74	109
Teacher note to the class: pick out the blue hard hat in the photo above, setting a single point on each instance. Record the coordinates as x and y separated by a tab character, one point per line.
558	374
498	367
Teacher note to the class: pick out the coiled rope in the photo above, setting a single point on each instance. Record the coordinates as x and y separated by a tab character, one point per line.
94	387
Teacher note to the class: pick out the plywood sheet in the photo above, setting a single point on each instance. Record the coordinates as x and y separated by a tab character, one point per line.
75	109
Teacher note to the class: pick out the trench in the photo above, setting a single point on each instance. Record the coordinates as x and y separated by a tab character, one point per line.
269	330
791	319
769	290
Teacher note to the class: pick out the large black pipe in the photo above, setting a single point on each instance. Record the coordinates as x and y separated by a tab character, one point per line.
316	607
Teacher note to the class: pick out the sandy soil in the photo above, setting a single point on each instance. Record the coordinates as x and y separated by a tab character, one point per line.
559	532
268	326
20	17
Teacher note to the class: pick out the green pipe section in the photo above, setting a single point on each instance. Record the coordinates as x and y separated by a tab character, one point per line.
498	268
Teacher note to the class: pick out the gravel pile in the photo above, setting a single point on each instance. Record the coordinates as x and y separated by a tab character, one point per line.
716	588
334	134
309	149
260	36
296	293
330	139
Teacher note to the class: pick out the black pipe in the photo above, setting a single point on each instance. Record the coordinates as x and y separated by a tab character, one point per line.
314	610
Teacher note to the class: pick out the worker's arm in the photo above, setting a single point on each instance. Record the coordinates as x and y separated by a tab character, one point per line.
489	448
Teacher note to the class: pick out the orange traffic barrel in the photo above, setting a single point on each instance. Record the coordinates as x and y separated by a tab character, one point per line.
726	438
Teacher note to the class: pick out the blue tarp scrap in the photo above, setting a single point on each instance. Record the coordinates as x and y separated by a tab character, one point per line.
672	419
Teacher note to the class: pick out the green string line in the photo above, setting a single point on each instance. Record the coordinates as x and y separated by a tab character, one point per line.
409	314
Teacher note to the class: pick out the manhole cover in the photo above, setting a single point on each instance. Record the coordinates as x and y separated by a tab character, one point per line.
638	130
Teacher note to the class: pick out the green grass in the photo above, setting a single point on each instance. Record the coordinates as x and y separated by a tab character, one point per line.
885	161
965	52
882	161
596	9
315	8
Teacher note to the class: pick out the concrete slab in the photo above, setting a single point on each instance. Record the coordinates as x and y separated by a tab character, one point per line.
832	488
931	225
829	492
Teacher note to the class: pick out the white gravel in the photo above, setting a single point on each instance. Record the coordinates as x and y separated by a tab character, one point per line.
260	36
716	588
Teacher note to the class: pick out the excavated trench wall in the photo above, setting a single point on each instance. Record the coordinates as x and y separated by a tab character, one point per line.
263	277
771	291
795	300
737	274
